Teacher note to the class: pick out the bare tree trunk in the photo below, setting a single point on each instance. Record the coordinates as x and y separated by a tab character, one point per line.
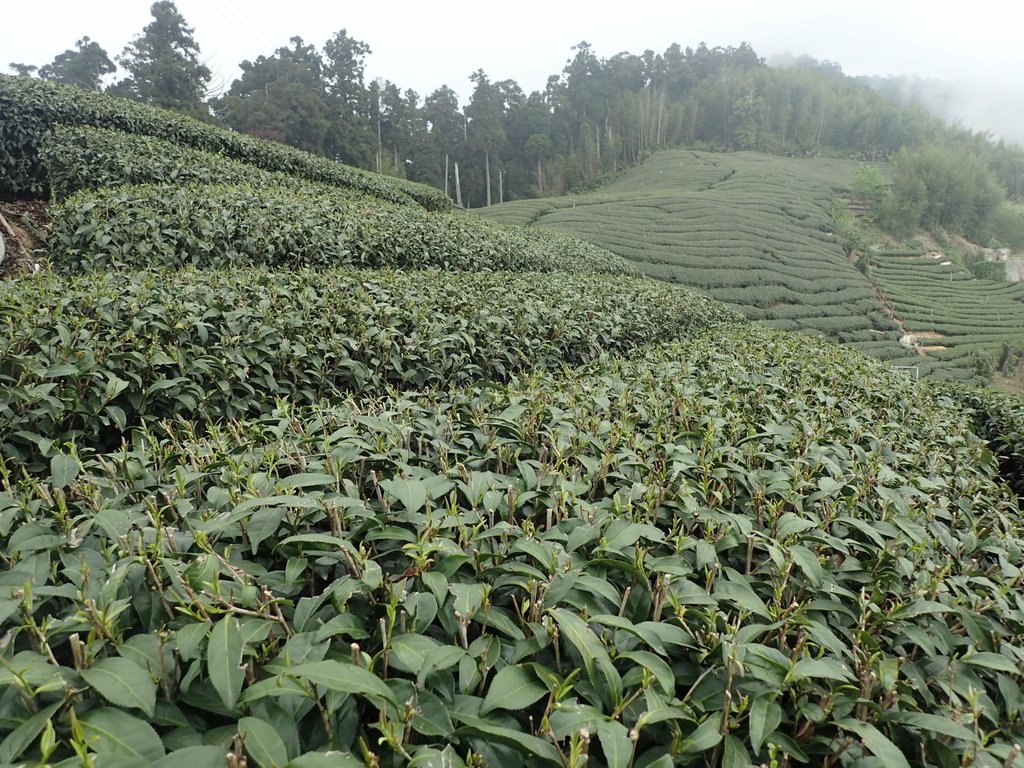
446	175
380	159
501	187
540	176
487	173
458	187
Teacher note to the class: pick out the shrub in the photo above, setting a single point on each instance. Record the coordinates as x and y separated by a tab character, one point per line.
749	533
32	107
90	357
79	158
219	226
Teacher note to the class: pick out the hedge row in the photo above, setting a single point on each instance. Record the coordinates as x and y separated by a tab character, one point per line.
91	356
998	418
738	551
172	225
31	107
80	157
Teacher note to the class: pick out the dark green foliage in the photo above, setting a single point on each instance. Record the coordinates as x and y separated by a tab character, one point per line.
748	548
867	184
80	157
164	65
943	185
218	226
32	107
998	418
84	67
1008	225
994	271
284	97
91	357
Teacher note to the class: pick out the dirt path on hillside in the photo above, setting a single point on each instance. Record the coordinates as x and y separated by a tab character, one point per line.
22	227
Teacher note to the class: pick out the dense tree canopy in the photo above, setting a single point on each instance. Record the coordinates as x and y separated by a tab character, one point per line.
85	66
596	117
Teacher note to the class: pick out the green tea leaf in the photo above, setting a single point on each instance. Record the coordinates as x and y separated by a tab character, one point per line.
765	716
615	743
704	736
344	678
934	723
18	740
327	760
63	470
735	754
989	660
593	653
412	493
535	746
821	668
224	660
512	688
807	561
194	757
115	732
876	741
122	682
431	716
262	742
468	598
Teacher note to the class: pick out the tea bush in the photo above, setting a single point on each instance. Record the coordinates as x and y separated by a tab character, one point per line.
215	226
78	158
90	357
32	107
739	550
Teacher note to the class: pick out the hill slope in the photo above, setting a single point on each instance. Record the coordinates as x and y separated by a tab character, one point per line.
751	230
519	507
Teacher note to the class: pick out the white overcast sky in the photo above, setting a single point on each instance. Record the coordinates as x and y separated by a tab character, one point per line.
422	45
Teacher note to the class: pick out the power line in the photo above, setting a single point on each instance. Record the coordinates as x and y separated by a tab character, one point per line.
236	18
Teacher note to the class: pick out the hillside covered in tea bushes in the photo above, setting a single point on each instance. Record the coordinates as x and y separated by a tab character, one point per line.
760	233
300	467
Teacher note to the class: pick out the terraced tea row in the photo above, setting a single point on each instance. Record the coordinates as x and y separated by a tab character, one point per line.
958	320
746	548
750	230
80	157
214	226
33	107
90	357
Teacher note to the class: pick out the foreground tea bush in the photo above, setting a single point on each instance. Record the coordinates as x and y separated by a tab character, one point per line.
91	356
167	225
32	107
746	549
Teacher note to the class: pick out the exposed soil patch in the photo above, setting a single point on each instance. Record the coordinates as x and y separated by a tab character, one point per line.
929	335
23	226
934	348
1010	382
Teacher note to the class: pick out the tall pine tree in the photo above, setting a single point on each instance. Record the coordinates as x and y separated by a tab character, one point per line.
163	64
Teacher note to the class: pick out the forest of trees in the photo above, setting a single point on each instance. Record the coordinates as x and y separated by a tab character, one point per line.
595	118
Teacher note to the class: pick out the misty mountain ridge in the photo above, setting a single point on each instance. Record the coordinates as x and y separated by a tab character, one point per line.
989	106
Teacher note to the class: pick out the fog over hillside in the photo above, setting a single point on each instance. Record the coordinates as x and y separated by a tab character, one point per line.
992	105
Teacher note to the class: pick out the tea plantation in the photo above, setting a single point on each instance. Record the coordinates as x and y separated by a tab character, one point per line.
301	468
961	321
